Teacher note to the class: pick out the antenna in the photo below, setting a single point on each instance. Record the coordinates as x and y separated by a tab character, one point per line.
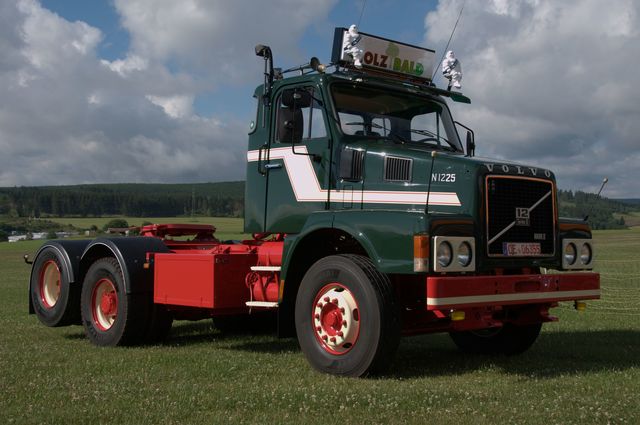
604	181
364	3
444	52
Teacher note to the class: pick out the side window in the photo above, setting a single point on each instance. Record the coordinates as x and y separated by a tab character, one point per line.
300	117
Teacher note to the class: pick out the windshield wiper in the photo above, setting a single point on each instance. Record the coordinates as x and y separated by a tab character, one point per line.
433	137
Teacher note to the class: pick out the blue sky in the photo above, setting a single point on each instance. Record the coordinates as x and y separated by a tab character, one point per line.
160	90
383	17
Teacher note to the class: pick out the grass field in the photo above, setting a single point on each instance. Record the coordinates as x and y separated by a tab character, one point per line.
583	370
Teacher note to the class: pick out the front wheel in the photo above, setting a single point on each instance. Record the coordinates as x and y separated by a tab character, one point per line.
347	318
509	339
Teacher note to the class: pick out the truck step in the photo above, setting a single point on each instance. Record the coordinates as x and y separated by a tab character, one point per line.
266	268
262	304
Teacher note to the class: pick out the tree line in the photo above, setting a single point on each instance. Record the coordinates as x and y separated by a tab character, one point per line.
134	200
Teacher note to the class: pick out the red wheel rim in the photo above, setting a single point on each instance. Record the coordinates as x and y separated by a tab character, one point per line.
336	319
104	304
50	284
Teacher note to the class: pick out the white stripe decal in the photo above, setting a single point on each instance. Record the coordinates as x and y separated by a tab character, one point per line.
307	188
513	297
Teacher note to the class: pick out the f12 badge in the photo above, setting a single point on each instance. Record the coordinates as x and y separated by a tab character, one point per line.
522	217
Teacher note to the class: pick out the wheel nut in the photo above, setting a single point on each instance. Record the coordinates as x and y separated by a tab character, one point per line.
333	339
344	323
319	305
317	316
326	299
340	334
324	338
335	301
319	329
342	310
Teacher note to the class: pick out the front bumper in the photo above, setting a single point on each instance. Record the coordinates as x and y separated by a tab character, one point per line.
456	292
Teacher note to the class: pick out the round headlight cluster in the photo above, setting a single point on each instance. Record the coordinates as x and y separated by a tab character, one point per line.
570	253
585	254
444	254
465	254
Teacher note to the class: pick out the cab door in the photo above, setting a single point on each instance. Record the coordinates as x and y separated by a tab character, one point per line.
297	159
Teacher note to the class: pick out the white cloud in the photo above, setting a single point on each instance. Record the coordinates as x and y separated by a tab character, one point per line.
215	39
552	83
68	116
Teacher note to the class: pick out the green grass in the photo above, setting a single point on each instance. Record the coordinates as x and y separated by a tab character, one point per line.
584	369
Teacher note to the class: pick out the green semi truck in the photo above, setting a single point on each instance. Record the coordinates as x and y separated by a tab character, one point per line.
371	216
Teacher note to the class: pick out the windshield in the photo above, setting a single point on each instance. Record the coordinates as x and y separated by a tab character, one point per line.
400	117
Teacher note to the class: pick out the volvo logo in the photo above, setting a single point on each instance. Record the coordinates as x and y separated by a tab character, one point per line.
517	169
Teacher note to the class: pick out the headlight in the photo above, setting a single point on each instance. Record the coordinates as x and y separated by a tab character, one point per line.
464	254
570	253
453	254
585	254
443	254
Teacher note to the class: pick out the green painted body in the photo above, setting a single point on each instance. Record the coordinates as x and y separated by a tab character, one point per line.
384	230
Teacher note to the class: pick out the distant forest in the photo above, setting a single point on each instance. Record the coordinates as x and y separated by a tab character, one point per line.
134	200
218	199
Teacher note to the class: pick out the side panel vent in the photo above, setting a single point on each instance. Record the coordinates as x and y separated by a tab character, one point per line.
351	165
397	169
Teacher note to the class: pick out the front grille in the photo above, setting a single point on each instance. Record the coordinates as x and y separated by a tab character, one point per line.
520	211
397	169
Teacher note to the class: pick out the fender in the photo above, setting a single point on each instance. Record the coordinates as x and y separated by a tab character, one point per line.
386	235
131	254
70	251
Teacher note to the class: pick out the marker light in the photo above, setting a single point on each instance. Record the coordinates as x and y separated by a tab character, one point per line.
457	316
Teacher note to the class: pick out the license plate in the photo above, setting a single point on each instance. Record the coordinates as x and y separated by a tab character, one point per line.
521	249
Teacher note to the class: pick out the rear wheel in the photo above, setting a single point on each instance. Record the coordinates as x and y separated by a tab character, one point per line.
347	319
509	339
111	316
55	301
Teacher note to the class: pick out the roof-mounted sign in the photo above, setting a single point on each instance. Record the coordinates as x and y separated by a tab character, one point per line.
353	48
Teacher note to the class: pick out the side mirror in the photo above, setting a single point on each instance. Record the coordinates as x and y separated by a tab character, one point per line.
471	139
471	144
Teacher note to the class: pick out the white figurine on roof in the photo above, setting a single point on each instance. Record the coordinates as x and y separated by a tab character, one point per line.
452	70
350	45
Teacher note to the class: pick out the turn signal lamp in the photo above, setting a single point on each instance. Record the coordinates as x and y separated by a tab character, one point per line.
421	253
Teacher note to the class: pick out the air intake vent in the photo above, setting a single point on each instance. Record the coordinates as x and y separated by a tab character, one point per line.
397	169
351	165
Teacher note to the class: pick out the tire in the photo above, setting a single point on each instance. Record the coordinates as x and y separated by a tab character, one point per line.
509	340
110	316
55	301
347	318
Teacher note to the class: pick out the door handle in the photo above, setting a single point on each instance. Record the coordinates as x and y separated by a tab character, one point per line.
272	166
